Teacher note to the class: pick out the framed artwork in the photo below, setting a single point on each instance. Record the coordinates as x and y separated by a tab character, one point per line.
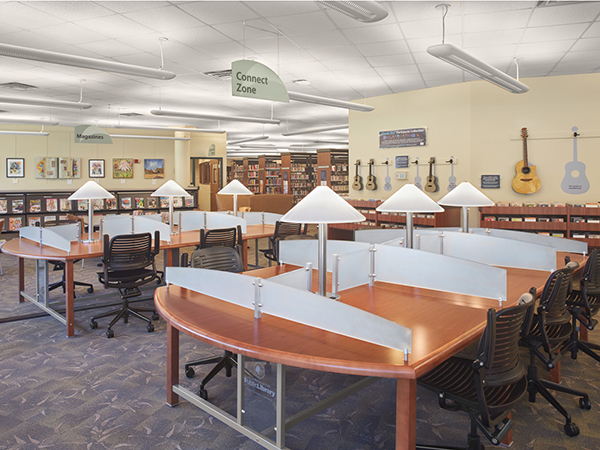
15	167
154	168
122	167
96	168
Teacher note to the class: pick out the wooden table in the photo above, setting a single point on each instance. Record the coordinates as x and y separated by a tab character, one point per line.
442	324
26	249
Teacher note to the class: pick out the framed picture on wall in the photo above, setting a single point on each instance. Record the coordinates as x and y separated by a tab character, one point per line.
15	167
96	168
122	167
154	168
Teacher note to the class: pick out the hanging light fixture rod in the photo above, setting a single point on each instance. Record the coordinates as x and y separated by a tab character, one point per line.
316	130
162	112
44	102
325	101
240	141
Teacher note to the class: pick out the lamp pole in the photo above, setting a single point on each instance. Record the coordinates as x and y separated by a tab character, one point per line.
322	259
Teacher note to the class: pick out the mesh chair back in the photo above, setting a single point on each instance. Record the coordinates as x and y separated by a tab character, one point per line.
284	229
221	237
225	259
591	270
128	251
554	297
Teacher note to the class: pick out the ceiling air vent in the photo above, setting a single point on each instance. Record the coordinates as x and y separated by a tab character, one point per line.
219	74
18	86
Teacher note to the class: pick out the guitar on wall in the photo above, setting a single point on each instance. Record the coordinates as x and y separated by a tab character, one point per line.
525	181
575	181
357	185
417	178
388	181
371	182
431	183
452	178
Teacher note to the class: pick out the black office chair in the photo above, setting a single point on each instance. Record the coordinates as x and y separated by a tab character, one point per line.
551	327
128	261
489	383
216	258
60	265
222	237
282	230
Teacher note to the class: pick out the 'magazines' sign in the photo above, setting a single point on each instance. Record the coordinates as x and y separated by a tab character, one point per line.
91	134
252	79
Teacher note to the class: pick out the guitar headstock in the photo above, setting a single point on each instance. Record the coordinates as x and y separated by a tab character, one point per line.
371	162
524	134
432	160
357	163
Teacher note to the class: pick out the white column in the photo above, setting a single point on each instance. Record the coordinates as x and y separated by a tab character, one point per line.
182	159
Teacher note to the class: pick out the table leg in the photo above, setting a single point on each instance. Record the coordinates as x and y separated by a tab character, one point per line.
245	254
172	364
406	413
69	298
555	373
21	279
583	333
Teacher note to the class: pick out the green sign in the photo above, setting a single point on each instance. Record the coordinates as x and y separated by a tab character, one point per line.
252	79
91	134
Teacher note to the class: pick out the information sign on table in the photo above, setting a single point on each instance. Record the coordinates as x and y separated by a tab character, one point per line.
410	137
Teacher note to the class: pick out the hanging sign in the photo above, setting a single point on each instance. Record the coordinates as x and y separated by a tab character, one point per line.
252	79
91	134
411	137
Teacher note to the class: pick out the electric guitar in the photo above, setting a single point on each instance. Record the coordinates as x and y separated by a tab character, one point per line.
525	181
431	183
575	181
357	184
417	178
388	181
452	179
371	182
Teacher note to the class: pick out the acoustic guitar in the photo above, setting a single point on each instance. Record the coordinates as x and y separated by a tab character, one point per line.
431	183
388	181
575	181
357	185
371	182
526	181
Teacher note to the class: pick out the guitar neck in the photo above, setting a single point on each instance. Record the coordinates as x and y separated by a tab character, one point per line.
525	162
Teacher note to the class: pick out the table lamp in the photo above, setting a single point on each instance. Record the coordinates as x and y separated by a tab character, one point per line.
410	199
235	188
90	191
323	206
465	195
170	189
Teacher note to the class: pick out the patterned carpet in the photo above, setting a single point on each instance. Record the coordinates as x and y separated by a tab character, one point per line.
90	392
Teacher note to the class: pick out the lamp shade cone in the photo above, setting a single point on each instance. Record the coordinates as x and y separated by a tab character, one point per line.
323	205
410	199
235	188
170	189
465	194
90	190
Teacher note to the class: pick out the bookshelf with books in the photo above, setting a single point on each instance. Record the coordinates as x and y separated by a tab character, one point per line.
271	174
253	174
238	172
301	173
332	167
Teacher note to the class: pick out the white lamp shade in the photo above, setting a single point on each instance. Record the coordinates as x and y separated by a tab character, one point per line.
170	189
465	194
235	188
410	199
90	190
323	205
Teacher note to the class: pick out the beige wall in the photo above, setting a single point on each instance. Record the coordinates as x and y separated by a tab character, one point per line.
60	143
480	125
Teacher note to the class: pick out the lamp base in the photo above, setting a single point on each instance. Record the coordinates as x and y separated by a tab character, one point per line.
332	296
90	241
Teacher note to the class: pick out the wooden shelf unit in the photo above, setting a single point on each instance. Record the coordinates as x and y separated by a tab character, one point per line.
449	218
298	170
271	174
568	221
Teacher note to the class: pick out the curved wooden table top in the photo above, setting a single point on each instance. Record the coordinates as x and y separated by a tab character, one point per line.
442	324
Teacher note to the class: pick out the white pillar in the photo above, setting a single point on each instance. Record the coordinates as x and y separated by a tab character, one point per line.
182	159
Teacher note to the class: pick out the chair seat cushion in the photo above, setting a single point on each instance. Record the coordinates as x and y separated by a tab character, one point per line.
127	278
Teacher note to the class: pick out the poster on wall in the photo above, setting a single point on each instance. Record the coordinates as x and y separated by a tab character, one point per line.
122	167
490	181
575	181
410	137
69	167
46	167
154	168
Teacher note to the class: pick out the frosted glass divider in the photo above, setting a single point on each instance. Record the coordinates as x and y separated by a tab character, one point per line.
251	217
379	236
295	279
55	240
192	221
558	243
271	218
143	225
116	225
406	266
69	231
32	233
157	217
300	252
215	220
354	269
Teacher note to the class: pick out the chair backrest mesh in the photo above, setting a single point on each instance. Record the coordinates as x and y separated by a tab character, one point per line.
217	258
591	270
554	296
221	237
284	229
130	251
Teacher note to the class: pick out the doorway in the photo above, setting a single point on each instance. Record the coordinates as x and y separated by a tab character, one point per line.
207	174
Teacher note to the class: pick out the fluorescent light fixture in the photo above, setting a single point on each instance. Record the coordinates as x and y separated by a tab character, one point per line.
90	191
162	112
455	56
331	142
44	102
27	121
25	133
256	138
315	130
139	136
363	11
63	59
185	129
325	101
301	82
257	145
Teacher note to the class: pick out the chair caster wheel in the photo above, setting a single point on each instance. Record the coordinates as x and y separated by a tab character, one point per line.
110	334
585	403
90	290
155	317
150	328
190	372
203	393
93	324
571	429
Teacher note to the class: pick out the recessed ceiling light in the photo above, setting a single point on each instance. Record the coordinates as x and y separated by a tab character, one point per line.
302	82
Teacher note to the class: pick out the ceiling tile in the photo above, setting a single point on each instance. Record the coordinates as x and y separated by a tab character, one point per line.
110	48
497	51
123	7
347	64
286	8
214	13
230	50
164	19
115	27
545	47
369	35
20	15
330	53
502	20
69	33
554	33
312	40
492	38
390	60
592	57
421	45
302	23
593	30
431	28
590	44
355	72
397	70
383	48
575	68
197	37
581	12
73	10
